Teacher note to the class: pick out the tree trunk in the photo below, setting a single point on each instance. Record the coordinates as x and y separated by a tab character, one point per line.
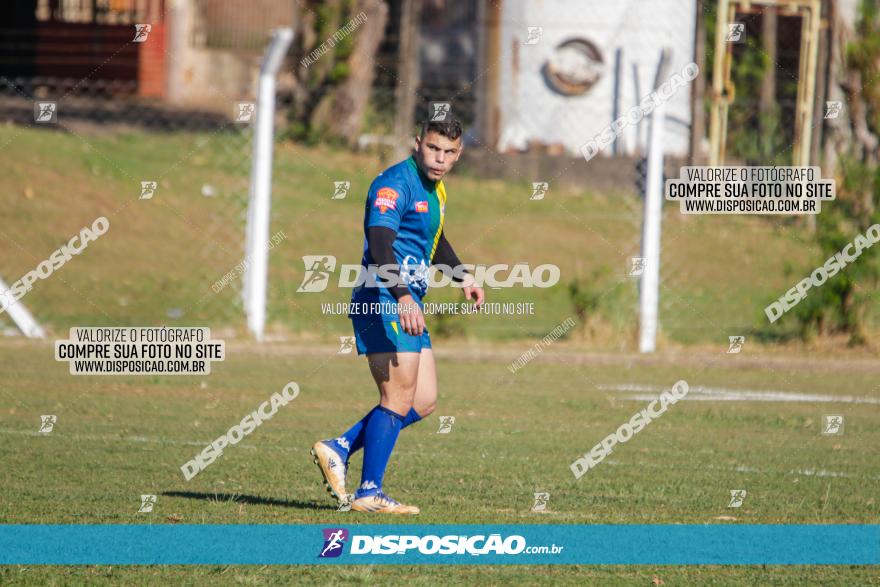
698	91
341	112
407	78
768	84
306	38
866	142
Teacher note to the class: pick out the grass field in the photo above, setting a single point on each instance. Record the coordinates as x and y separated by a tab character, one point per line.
119	437
161	256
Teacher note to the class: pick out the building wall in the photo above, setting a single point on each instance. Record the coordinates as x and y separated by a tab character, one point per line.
215	49
217	78
530	112
89	42
151	62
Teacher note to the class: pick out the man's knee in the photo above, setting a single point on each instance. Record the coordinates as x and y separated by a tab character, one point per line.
425	409
398	405
399	400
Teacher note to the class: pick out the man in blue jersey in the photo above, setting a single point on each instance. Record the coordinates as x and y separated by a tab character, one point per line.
403	237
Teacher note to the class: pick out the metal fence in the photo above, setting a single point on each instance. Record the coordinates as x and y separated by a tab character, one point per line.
765	54
598	201
100	11
239	24
141	159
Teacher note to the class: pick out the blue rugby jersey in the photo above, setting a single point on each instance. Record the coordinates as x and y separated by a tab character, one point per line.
403	199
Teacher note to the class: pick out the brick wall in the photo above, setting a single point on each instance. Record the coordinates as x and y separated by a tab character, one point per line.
152	56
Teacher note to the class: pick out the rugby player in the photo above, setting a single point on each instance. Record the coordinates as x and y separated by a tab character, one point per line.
403	231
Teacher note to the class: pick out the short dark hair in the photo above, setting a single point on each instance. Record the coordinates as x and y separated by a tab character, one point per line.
449	128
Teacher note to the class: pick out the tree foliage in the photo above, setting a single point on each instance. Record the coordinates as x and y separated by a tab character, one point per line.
844	304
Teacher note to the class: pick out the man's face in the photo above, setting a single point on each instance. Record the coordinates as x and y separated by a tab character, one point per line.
436	154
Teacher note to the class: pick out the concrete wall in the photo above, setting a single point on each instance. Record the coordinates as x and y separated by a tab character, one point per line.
217	78
201	77
531	112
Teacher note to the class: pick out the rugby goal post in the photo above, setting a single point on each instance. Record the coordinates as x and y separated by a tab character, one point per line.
19	314
256	269
649	284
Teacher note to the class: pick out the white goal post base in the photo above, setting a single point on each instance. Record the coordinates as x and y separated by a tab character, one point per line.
19	314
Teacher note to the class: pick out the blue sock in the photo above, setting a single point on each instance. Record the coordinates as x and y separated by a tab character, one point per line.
353	439
411	418
380	434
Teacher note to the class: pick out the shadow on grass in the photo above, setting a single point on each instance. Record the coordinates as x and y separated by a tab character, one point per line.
250	500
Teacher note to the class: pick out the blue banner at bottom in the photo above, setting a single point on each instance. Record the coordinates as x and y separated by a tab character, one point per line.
440	544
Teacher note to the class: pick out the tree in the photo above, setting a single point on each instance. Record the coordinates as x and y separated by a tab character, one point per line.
336	51
842	304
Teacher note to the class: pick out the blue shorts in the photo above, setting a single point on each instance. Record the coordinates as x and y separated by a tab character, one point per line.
373	335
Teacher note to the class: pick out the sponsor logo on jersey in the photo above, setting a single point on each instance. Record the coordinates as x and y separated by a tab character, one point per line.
386	198
421	206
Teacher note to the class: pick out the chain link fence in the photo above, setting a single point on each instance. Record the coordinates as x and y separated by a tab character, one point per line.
560	86
172	182
522	193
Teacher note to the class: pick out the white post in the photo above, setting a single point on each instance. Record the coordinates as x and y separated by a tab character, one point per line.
257	245
19	314
180	17
649	296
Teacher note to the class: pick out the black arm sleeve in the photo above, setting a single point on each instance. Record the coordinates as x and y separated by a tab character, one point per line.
444	255
379	241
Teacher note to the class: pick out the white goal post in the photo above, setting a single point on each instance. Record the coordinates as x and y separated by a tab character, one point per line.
256	245
19	314
649	286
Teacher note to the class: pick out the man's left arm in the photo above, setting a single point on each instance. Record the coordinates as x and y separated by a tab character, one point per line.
445	255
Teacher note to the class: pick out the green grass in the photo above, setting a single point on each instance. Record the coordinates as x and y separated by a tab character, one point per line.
163	255
119	437
434	575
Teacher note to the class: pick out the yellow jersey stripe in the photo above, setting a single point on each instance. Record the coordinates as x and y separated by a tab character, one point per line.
441	195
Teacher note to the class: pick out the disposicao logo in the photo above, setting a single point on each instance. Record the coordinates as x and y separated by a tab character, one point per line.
334	540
